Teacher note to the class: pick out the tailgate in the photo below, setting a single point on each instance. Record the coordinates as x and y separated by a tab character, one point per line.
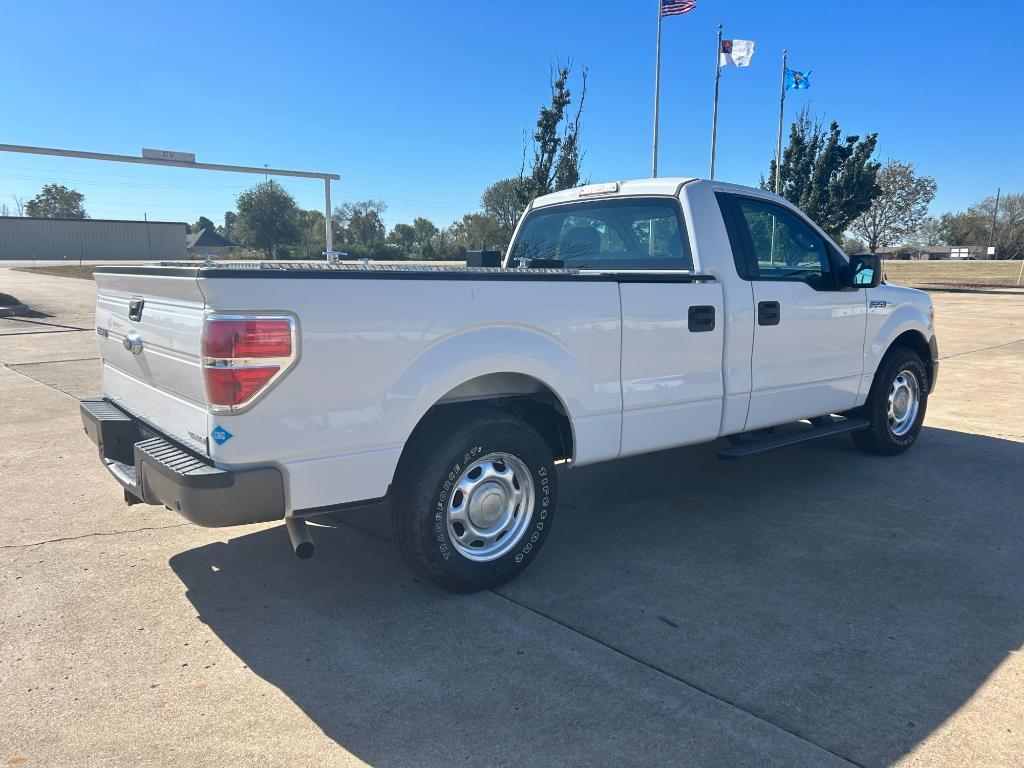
159	377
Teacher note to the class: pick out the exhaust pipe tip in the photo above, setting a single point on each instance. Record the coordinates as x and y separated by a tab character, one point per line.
302	542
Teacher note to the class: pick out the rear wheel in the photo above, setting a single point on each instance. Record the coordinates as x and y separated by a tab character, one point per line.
474	501
896	404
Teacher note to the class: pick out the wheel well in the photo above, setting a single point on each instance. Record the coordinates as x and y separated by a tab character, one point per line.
916	341
517	394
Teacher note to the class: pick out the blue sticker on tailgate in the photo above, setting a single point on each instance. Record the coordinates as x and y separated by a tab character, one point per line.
220	435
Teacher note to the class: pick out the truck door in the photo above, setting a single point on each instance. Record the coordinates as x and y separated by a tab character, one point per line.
808	351
672	323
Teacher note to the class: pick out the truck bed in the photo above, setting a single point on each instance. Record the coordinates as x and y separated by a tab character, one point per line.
378	347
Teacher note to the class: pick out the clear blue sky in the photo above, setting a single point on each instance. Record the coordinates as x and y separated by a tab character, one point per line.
422	104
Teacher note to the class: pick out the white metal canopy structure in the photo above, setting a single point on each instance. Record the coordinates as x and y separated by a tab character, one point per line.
327	177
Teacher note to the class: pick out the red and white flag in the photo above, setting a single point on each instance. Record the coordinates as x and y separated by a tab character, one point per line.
736	53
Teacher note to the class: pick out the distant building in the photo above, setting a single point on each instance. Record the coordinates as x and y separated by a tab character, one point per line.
90	239
935	252
206	241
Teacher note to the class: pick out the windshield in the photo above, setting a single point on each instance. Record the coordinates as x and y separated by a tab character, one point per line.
629	233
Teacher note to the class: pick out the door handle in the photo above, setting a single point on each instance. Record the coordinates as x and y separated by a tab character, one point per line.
135	306
768	313
701	319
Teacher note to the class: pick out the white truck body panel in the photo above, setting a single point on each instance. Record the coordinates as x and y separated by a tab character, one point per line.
164	387
672	382
376	355
812	361
377	351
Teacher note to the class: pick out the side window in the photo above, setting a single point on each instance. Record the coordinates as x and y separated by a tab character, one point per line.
783	246
628	233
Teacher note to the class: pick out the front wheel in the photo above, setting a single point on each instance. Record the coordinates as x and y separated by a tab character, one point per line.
474	501
896	405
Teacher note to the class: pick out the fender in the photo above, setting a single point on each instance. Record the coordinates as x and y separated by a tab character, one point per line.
468	354
906	311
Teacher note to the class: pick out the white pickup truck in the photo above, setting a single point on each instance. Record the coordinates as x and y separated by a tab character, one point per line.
628	317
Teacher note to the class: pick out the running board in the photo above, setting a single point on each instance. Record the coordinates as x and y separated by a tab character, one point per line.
765	444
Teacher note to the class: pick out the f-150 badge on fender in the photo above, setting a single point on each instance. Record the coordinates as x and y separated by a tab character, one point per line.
220	435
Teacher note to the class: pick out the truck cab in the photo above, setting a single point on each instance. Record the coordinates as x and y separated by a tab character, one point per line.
792	329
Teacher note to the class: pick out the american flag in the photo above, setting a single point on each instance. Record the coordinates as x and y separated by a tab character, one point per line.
677	7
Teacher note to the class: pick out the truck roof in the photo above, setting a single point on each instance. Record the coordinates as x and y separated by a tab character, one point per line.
668	185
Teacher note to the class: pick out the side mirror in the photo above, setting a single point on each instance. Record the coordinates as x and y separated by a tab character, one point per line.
865	271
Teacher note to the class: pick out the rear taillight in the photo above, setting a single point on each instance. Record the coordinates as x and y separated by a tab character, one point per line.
226	339
243	356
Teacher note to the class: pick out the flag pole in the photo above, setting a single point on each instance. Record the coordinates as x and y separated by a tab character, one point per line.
714	112
782	107
657	96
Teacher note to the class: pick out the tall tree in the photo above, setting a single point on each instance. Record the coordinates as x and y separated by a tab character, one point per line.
267	217
476	231
202	223
311	243
228	230
556	142
831	179
360	223
423	242
958	228
901	205
56	201
974	226
928	233
504	201
852	245
402	236
1009	230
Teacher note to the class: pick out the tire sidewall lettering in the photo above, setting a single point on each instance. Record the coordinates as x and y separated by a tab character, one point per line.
542	508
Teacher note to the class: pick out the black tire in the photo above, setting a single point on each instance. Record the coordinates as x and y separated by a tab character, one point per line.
435	459
879	438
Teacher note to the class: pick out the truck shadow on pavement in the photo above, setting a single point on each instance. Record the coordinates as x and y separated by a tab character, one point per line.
806	602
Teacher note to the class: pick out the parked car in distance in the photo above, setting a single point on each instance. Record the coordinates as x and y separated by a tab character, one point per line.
628	317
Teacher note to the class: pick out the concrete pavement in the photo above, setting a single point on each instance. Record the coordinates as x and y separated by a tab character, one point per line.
815	606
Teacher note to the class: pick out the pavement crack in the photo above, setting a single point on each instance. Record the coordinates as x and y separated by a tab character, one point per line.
980	349
52	362
48	333
48	325
14	368
92	535
678	679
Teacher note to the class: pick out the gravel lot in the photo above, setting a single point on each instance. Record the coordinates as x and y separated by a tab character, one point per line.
814	606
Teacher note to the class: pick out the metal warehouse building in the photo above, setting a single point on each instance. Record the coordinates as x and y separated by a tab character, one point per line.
91	239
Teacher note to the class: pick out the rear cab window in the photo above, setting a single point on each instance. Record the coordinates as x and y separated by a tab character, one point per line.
623	234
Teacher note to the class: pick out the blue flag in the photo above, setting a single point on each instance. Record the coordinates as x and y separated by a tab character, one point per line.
797	81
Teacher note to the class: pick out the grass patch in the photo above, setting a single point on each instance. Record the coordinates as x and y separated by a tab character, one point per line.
952	274
81	271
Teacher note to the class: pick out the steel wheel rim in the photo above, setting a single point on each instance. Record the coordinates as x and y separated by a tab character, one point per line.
904	403
490	507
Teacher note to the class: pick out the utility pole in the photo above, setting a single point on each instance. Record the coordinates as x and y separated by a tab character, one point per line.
992	231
